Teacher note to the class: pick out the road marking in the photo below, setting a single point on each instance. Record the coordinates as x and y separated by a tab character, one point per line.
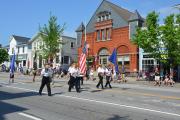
29	116
102	102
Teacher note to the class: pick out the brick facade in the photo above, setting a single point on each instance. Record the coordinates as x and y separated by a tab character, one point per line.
111	27
119	39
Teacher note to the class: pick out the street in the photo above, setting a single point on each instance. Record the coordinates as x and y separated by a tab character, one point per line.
21	101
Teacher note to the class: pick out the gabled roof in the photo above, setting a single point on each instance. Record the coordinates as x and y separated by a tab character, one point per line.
124	13
21	39
136	16
34	37
80	28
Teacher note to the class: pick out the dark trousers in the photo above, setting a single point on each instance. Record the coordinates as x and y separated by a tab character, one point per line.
77	84
45	81
71	83
74	81
100	81
81	79
78	79
108	78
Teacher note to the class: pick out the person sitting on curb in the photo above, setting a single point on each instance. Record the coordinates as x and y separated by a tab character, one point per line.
171	82
166	80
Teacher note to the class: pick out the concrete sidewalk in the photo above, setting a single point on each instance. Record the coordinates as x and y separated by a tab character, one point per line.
131	81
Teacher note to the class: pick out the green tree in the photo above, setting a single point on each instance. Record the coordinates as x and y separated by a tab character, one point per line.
177	39
168	38
3	55
149	38
51	35
162	42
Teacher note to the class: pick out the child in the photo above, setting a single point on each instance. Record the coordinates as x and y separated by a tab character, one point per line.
171	81
119	78
166	80
91	74
11	77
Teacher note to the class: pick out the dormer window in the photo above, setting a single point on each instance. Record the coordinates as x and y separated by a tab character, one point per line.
102	16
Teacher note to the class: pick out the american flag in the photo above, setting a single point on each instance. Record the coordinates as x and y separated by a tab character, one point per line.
82	62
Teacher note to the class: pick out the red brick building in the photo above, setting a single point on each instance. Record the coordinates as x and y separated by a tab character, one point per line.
111	27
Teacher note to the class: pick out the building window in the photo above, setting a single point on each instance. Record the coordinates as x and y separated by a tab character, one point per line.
98	35
147	65
66	59
18	49
99	19
108	34
62	60
103	18
57	59
34	46
72	44
12	50
103	35
40	45
23	49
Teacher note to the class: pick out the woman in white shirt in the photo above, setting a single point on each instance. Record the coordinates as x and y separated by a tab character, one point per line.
100	71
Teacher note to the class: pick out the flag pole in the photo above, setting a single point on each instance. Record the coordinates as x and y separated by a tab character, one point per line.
85	32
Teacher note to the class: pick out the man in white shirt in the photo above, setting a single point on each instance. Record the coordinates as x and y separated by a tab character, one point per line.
100	71
108	72
72	74
46	74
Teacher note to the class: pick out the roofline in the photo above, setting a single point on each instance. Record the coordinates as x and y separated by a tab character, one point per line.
34	36
68	36
94	13
109	3
21	36
120	7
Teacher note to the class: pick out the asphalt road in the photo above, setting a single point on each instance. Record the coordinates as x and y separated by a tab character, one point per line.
20	101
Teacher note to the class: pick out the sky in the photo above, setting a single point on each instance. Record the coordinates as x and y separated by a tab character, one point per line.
23	17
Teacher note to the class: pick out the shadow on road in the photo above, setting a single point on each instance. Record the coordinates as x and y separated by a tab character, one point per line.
7	95
117	117
7	108
93	91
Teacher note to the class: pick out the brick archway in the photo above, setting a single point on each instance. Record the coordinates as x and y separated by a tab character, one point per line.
123	49
103	51
103	54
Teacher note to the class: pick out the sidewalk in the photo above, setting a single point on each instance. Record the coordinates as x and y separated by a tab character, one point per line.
131	81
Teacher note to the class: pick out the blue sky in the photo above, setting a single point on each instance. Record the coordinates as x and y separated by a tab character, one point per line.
23	17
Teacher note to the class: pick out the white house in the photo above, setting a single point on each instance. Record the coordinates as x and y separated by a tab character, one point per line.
21	47
67	51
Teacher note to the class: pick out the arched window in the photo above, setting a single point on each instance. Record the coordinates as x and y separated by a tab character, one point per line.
103	51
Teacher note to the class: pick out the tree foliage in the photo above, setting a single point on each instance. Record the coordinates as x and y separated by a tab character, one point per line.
148	38
3	55
162	42
51	35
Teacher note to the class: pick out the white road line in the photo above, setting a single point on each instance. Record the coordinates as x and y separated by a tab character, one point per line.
102	102
29	116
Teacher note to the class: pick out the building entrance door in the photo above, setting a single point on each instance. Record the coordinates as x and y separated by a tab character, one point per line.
103	60
124	62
